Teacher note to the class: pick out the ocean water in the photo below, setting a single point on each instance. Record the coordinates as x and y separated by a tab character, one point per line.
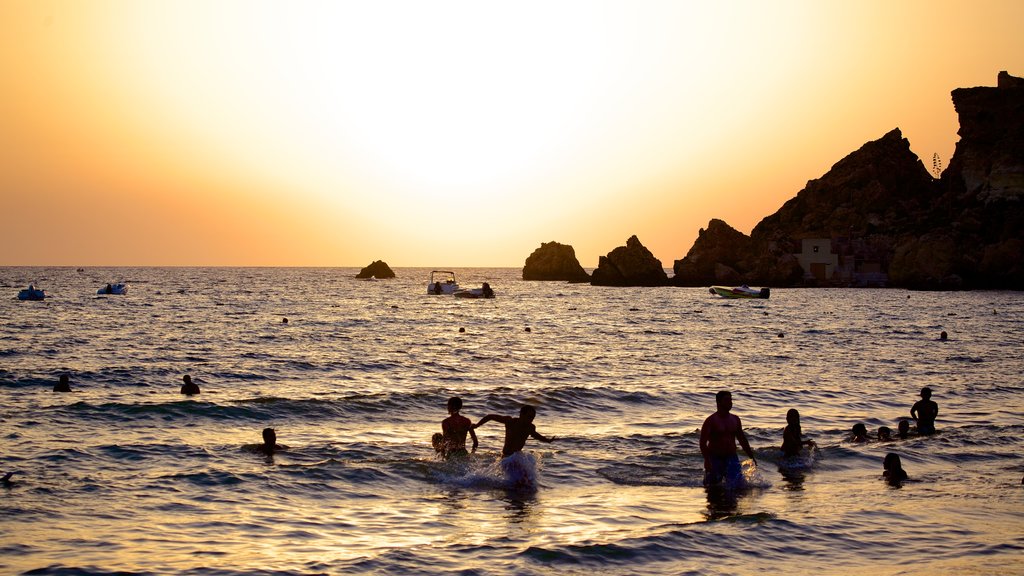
124	475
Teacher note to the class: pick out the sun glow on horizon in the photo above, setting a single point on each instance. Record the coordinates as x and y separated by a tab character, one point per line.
460	132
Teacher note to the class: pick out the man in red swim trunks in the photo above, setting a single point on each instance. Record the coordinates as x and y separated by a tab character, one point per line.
718	438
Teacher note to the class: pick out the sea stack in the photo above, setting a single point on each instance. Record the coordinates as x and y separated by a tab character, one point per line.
629	265
378	269
554	261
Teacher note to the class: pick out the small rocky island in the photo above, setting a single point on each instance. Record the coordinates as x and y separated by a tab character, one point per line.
554	261
629	265
378	269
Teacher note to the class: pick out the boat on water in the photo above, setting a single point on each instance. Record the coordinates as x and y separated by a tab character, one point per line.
118	288
31	293
484	291
442	282
743	291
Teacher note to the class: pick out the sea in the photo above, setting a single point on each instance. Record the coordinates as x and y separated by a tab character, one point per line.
125	475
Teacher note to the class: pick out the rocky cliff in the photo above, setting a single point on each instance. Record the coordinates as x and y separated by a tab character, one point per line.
882	211
629	265
554	261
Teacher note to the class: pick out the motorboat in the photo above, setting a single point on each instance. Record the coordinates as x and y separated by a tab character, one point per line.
484	291
743	291
442	282
118	288
31	293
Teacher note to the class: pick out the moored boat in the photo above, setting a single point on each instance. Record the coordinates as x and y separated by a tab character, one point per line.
743	291
31	293
118	288
442	282
484	291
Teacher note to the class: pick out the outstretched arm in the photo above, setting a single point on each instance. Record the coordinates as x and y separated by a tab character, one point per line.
541	437
488	418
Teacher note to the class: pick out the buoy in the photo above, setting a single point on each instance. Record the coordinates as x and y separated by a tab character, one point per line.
781	335
943	335
527	328
462	330
284	320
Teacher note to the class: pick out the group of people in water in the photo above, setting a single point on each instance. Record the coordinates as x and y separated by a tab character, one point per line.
719	435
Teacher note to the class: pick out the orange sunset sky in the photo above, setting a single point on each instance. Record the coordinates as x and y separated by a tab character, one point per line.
445	134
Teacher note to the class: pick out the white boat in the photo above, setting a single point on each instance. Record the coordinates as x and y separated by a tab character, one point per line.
31	293
482	292
119	288
442	282
743	291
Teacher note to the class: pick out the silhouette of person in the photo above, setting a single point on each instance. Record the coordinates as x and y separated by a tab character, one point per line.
517	430
109	289
64	385
437	288
924	411
884	434
903	429
454	429
487	292
893	469
718	437
860	433
792	436
189	387
270	444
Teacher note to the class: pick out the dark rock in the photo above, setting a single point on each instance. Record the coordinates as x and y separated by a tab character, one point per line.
880	207
554	261
629	265
378	269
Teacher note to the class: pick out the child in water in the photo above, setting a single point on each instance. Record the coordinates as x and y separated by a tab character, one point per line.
451	443
860	433
893	469
925	411
792	436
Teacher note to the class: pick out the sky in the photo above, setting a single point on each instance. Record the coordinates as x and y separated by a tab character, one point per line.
452	134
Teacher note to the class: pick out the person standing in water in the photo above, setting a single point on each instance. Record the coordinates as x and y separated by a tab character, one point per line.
792	436
64	385
718	437
454	428
519	468
925	411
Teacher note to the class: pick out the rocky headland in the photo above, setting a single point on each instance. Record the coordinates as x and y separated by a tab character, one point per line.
879	218
554	261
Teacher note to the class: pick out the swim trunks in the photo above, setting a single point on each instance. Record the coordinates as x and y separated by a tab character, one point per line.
723	468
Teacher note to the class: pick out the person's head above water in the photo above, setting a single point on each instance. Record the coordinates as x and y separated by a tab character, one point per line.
860	431
793	417
884	433
723	399
903	427
269	437
926	392
454	404
527	413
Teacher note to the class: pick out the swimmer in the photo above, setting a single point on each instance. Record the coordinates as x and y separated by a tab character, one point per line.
454	429
64	385
517	430
903	429
925	411
893	469
189	387
792	436
884	434
269	446
860	433
718	437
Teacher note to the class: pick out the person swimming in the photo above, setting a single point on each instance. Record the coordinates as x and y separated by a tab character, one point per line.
269	445
884	434
859	433
63	385
893	470
189	387
903	429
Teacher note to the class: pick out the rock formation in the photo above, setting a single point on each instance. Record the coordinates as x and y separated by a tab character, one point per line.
554	261
378	269
880	208
629	265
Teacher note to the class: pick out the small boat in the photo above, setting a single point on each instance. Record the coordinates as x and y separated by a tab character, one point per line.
119	288
743	291
31	293
442	282
484	291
